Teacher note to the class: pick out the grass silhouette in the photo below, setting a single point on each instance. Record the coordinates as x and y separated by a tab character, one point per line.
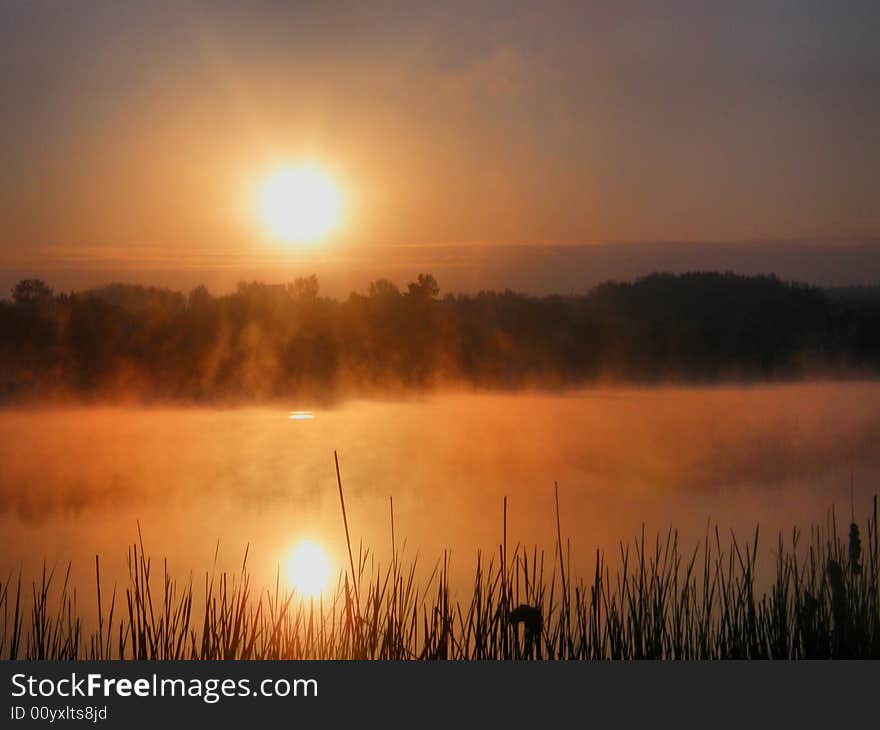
662	603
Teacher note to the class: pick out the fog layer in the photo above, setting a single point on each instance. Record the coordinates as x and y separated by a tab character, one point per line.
75	483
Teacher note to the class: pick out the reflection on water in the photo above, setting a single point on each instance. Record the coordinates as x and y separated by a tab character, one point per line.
301	416
308	569
75	483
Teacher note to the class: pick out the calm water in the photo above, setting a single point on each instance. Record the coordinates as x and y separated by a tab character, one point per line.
75	483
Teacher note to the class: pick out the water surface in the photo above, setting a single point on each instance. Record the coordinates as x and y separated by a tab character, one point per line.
77	482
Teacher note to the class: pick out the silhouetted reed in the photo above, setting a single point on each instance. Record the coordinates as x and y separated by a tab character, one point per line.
661	603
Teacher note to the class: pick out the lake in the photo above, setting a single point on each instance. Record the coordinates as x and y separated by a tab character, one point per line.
76	482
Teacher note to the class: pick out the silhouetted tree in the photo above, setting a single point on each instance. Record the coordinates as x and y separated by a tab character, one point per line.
304	288
31	291
382	288
266	341
199	297
425	287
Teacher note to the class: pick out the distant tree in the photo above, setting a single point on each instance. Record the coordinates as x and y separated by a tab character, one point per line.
31	291
269	339
425	287
199	297
382	288
304	288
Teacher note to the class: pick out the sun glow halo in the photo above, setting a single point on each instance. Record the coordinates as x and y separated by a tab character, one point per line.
299	204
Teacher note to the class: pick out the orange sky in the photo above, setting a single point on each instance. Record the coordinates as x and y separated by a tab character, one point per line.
135	131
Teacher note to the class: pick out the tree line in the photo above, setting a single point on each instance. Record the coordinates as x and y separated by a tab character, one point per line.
266	341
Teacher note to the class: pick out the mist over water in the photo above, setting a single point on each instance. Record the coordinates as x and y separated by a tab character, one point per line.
77	482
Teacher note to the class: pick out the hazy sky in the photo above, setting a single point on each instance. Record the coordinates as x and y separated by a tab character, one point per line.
135	131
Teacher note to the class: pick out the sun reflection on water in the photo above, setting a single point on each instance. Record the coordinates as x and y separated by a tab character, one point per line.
307	569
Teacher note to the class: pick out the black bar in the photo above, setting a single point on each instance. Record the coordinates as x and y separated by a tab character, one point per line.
461	694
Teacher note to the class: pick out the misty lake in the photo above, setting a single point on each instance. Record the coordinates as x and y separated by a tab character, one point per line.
77	482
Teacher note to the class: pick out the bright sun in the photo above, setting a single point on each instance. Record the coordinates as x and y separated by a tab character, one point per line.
308	569
299	204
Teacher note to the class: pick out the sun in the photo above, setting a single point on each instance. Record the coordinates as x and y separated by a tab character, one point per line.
308	568
299	204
